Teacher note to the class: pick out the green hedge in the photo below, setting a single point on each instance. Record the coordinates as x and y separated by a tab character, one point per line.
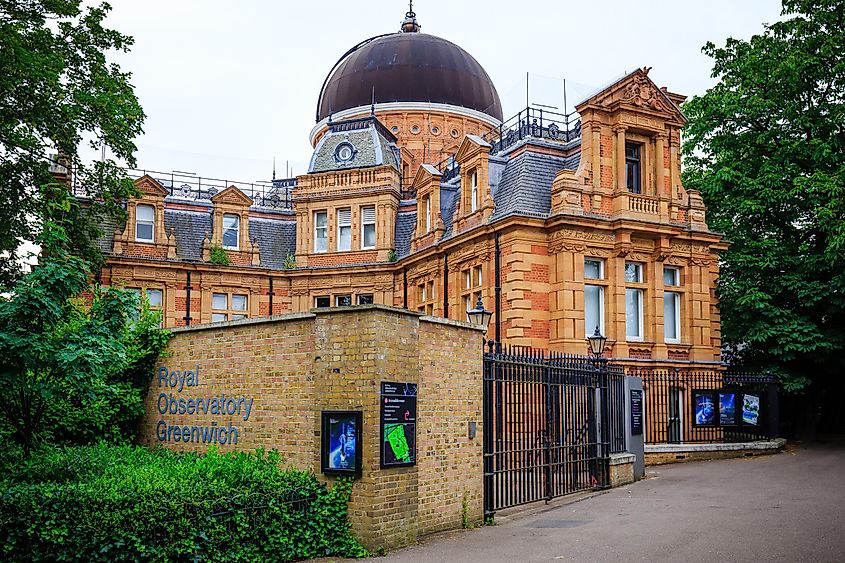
126	503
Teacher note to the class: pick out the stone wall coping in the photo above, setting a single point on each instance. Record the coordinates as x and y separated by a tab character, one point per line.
326	311
622	458
451	322
775	444
243	322
357	308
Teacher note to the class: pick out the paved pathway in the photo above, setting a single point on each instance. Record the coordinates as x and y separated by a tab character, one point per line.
786	507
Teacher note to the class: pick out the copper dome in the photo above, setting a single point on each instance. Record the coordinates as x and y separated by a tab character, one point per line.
408	67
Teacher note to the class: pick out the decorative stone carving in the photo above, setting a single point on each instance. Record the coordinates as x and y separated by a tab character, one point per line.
171	245
642	93
206	248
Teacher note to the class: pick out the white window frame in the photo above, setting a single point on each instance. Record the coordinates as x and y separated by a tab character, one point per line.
365	224
589	330
676	282
151	223
428	214
639	312
337	299
360	296
219	317
317	301
601	268
344	223
324	230
677	317
638	268
473	181
229	312
237	229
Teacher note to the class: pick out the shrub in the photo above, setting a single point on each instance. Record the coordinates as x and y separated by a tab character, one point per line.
218	256
75	360
125	503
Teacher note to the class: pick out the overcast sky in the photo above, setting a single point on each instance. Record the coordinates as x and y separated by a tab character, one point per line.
227	86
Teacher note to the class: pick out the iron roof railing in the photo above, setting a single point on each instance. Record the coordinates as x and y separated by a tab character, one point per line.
275	194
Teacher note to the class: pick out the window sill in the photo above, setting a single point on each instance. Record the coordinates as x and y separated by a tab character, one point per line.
144	241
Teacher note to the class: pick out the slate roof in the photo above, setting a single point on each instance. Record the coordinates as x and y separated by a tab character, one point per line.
526	185
371	149
520	185
189	228
106	242
275	240
448	205
405	224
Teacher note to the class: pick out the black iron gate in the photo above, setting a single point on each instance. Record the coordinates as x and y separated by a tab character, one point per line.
550	425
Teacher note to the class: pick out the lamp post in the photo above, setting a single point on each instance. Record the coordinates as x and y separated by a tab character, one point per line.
597	342
480	317
600	437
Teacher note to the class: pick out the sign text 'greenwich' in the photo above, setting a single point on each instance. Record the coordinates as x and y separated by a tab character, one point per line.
197	405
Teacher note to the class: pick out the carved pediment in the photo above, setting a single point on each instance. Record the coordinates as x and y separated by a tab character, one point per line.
636	91
232	195
148	185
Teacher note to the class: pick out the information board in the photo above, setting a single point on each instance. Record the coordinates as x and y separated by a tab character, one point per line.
398	424
636	412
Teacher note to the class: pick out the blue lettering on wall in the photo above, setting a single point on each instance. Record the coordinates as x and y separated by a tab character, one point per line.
216	405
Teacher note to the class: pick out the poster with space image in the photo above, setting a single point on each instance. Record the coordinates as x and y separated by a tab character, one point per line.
750	409
705	408
341	442
727	409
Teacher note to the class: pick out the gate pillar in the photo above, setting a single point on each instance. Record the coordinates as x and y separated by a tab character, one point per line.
634	423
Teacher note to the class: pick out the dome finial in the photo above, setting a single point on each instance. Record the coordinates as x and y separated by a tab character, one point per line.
410	24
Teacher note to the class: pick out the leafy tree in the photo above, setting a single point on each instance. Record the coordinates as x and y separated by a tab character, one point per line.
766	148
57	91
74	362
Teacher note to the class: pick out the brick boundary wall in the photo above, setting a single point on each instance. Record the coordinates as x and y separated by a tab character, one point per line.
279	373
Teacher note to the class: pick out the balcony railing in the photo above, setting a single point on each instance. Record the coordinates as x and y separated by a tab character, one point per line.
643	204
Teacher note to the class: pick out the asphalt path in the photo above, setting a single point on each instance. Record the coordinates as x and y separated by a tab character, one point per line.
784	507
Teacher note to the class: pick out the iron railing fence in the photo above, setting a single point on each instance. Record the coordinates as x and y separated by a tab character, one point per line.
274	194
551	422
531	122
683	406
534	122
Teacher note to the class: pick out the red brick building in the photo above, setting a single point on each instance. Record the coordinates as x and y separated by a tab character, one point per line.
420	195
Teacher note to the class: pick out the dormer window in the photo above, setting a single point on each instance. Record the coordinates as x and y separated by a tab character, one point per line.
473	182
144	223
428	214
231	231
